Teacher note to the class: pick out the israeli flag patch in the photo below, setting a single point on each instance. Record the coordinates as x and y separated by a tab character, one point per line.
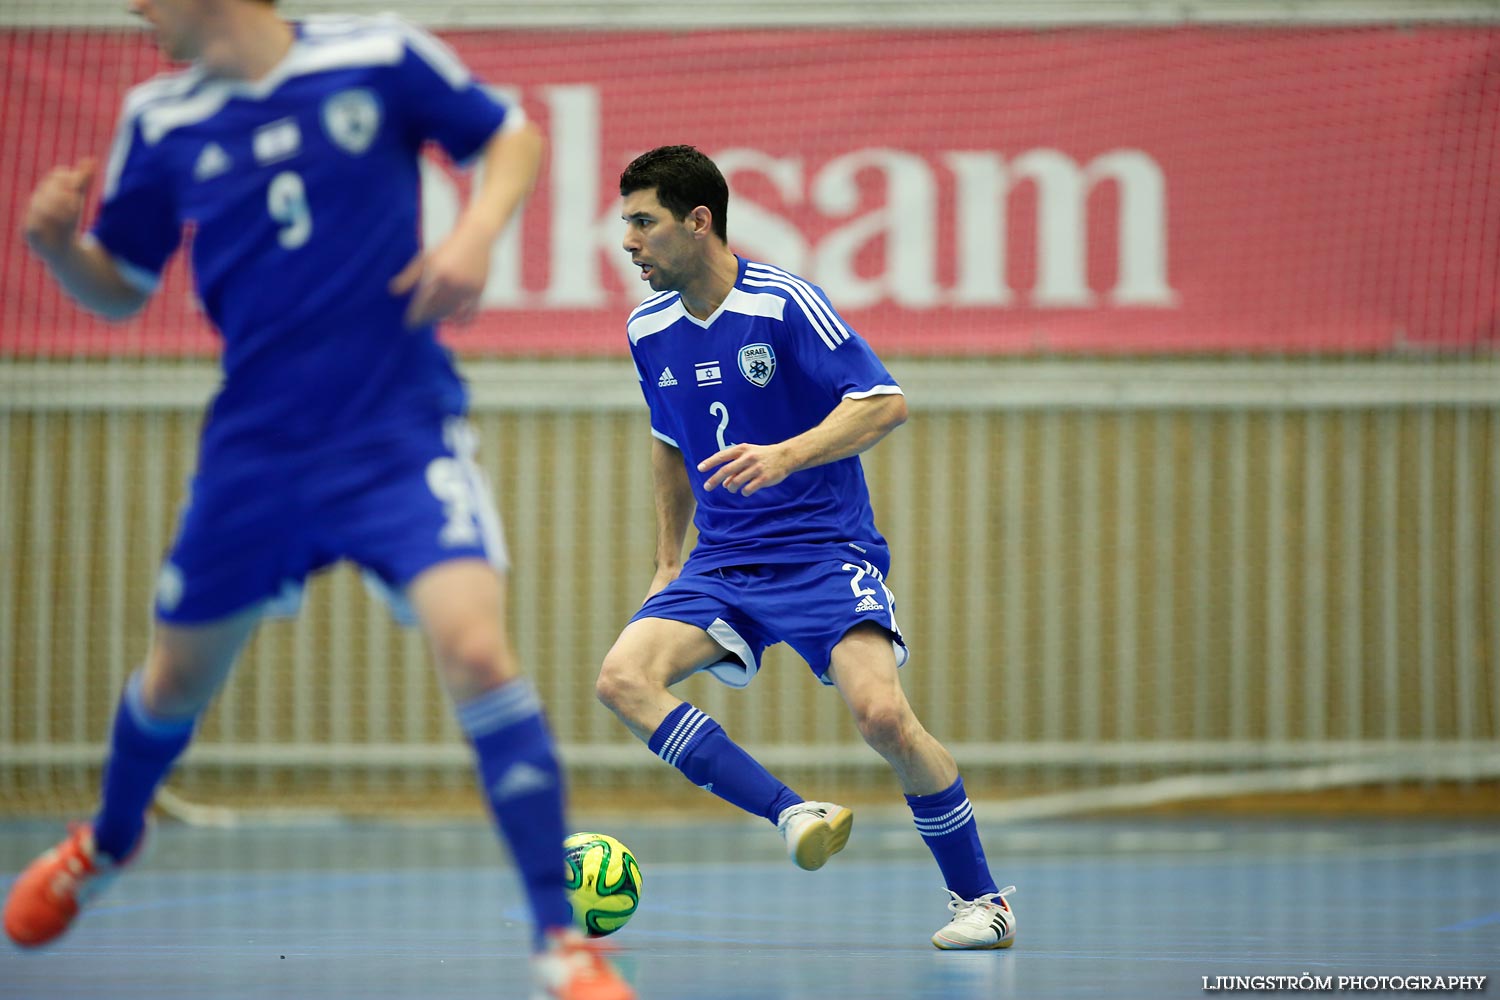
757	363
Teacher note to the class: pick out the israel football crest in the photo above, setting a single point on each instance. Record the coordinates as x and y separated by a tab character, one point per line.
757	363
352	118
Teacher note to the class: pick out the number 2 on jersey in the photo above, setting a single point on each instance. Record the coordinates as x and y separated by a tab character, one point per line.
286	200
721	411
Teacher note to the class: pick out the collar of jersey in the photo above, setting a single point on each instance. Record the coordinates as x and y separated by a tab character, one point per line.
706	323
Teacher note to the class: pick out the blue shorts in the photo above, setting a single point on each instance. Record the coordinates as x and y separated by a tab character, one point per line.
808	606
253	530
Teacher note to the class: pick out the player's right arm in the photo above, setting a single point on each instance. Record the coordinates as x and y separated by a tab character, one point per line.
674	511
79	263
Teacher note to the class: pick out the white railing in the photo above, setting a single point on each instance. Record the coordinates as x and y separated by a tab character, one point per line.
1112	574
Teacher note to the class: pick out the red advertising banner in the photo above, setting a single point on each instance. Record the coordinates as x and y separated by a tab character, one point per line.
1153	191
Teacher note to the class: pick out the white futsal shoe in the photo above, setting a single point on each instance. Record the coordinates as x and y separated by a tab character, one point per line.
986	922
814	832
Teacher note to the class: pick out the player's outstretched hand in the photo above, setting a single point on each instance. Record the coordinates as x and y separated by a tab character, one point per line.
745	468
448	281
56	207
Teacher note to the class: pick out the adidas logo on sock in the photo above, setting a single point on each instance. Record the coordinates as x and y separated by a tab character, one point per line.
667	378
868	603
521	779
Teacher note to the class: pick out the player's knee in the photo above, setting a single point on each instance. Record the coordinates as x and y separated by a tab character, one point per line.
473	659
620	683
887	727
174	690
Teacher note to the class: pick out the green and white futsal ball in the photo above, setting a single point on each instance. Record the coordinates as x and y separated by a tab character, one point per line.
603	881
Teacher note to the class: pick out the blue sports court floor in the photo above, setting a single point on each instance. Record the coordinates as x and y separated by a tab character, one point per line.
1137	908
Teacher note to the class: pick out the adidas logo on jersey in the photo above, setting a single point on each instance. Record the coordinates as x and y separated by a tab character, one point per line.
667	378
212	162
521	779
868	603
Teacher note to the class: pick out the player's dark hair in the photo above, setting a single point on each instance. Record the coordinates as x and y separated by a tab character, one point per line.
684	179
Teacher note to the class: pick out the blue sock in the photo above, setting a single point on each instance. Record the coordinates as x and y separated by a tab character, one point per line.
698	747
523	787
946	823
142	749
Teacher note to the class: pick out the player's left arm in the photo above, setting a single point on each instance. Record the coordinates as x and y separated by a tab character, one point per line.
433	97
450	277
854	426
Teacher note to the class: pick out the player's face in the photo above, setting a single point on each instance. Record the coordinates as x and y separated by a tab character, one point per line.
175	24
662	246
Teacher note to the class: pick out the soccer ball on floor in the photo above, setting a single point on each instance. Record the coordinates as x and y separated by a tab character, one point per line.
603	882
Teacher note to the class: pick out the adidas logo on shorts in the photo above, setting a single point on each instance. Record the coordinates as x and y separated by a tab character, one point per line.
868	603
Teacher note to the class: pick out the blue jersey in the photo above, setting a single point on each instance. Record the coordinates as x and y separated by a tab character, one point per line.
772	362
301	189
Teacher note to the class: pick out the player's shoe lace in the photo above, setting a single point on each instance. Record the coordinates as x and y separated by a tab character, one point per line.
986	922
571	967
814	832
53	888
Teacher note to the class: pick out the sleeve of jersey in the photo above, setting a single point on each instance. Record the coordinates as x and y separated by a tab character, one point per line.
443	101
830	352
137	223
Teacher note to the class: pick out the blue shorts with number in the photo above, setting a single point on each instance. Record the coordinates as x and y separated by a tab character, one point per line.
255	528
808	606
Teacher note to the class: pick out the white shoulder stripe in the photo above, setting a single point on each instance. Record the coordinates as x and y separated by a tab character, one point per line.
645	326
325	53
160	119
647	303
444	62
363	49
164	87
811	291
812	299
167	87
754	303
820	325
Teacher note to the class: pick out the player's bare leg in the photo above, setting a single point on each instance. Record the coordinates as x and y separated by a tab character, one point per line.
461	605
864	671
188	664
650	656
185	667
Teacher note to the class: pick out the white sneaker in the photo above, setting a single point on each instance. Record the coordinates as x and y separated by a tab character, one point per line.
814	832
986	922
571	967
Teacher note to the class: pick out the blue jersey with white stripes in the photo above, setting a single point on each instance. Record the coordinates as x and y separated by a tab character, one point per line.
301	189
772	362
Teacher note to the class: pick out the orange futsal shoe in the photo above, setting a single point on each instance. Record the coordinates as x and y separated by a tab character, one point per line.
571	967
54	887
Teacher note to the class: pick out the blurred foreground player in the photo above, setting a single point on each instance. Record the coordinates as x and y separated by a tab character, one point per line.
338	432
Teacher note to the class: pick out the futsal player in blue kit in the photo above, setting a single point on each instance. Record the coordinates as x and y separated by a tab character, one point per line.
761	398
338	432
